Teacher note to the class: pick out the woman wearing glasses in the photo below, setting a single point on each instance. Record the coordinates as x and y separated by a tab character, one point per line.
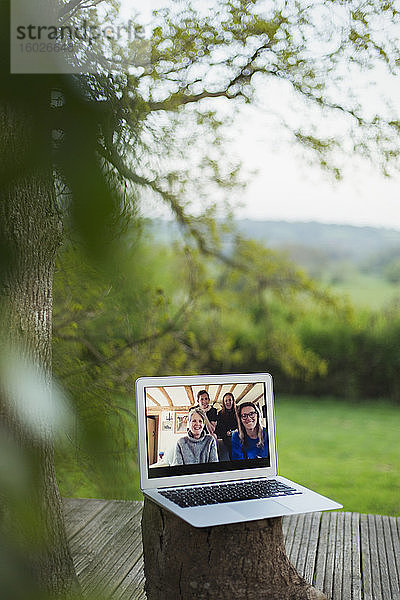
250	440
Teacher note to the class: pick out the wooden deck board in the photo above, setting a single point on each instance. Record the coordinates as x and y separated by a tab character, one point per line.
133	582
289	524
330	554
374	558
117	554
366	559
86	545
79	514
347	573
393	576
297	539
382	554
113	564
347	555
309	567
395	538
355	556
338	560
320	566
302	554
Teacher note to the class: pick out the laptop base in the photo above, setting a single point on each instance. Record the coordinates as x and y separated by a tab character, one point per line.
248	510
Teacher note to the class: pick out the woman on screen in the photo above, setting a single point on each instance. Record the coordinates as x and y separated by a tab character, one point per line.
197	446
210	412
250	440
227	421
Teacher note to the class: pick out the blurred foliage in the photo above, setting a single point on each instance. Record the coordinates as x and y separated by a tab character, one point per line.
392	271
238	315
104	337
381	262
361	355
257	313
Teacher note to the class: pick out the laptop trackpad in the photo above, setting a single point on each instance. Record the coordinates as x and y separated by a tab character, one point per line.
260	509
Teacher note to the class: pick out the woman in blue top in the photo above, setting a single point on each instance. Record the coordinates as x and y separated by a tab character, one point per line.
250	440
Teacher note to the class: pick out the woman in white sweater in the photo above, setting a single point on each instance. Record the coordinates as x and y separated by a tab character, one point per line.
197	446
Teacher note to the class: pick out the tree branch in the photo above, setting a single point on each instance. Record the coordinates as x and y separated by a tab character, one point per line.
129	344
244	76
73	5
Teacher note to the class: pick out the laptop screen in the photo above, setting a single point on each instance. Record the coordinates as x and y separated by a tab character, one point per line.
206	428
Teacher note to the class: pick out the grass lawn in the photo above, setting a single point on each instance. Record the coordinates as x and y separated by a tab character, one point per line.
347	451
367	291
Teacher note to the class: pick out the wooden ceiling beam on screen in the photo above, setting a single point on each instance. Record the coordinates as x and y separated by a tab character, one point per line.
157	410
153	400
166	395
218	392
206	388
232	388
245	391
259	397
190	395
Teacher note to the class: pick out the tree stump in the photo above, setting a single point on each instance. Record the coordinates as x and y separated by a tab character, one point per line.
229	562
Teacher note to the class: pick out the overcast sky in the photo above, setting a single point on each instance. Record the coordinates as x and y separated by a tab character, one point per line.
286	187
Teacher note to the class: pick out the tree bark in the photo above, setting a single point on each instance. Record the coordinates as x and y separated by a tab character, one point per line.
242	561
30	234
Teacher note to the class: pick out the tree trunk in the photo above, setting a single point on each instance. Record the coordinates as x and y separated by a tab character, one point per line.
30	234
242	561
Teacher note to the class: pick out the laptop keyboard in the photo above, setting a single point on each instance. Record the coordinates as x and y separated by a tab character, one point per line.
228	492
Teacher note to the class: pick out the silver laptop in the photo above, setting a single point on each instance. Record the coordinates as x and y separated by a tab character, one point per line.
207	450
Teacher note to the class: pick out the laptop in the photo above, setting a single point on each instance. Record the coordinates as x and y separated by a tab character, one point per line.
209	465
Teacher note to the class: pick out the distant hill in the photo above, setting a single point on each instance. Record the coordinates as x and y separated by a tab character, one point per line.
310	241
338	242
